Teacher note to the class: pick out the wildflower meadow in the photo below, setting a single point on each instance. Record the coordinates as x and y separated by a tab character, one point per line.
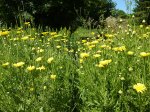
86	71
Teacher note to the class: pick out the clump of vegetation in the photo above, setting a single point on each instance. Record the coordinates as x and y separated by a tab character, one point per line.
68	68
54	71
142	11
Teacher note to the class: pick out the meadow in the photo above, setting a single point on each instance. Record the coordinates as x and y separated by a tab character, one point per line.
53	71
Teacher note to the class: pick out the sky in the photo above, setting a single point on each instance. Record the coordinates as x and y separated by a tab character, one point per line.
121	4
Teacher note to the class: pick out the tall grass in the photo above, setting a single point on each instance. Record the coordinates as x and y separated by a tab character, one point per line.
53	72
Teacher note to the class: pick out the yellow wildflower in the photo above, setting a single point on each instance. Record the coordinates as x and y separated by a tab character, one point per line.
53	33
105	46
58	46
41	68
83	41
19	64
139	87
71	50
91	46
96	55
38	59
27	23
130	69
25	38
109	36
104	63
121	48
45	33
81	60
5	64
31	89
100	65
50	60
144	54
66	49
141	26
84	55
4	33
40	50
147	28
93	33
45	87
130	52
94	42
53	77
18	32
30	68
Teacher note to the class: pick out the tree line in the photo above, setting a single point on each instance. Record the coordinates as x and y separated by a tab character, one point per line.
64	13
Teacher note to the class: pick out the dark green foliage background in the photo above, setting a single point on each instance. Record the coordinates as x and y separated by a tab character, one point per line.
54	13
142	10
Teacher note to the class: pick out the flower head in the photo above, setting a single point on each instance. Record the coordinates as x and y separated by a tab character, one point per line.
130	53
19	64
38	59
139	87
121	48
84	55
25	38
4	33
30	68
53	77
144	54
104	63
96	55
41	68
5	64
50	60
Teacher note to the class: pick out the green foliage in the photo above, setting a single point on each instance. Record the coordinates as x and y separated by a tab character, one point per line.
55	13
53	72
119	13
142	10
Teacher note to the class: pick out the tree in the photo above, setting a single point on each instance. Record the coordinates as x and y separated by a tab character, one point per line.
142	10
55	13
119	13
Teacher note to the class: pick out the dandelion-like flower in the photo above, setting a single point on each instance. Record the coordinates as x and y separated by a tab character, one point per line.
53	33
109	35
130	53
30	68
81	60
4	33
58	47
45	33
104	63
50	60
41	68
139	87
5	64
53	77
38	59
40	50
96	55
19	64
121	48
84	55
27	23
144	54
25	38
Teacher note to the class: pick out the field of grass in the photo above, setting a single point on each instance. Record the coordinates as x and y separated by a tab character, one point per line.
53	71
